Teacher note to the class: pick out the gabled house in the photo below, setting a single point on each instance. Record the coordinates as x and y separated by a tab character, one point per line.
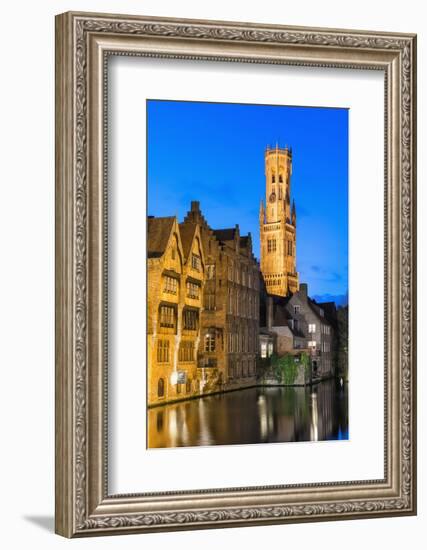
176	273
300	325
311	321
230	317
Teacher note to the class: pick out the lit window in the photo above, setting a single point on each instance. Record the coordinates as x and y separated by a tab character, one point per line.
191	319
167	316
210	271
163	351
193	290
263	350
186	351
271	245
311	328
210	301
210	342
160	388
170	285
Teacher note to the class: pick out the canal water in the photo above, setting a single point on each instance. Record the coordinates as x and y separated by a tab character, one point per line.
253	415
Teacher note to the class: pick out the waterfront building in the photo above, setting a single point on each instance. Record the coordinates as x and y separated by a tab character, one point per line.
277	222
176	274
203	308
230	316
301	325
309	318
331	315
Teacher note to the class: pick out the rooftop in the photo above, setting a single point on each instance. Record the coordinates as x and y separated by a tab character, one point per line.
159	230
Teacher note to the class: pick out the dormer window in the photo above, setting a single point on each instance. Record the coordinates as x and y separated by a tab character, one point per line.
195	262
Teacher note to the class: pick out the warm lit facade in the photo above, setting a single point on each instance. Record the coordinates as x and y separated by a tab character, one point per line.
176	272
230	317
203	308
278	225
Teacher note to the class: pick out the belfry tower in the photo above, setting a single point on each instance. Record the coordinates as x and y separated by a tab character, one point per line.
277	224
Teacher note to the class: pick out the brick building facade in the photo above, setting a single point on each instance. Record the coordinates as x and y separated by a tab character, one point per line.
231	303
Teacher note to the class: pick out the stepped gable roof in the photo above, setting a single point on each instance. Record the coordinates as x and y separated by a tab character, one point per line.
194	215
187	231
159	230
224	235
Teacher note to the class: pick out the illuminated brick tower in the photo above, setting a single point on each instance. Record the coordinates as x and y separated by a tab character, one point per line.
277	224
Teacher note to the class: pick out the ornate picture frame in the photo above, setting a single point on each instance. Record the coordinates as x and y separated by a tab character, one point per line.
84	42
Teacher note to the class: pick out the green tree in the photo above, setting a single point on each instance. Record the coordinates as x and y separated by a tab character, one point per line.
305	362
286	369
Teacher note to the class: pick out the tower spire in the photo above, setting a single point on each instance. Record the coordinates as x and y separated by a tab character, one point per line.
277	224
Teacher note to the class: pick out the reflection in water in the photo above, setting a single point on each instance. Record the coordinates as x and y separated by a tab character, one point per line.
254	415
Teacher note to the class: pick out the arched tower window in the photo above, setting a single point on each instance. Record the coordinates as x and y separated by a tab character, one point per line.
273	179
280	178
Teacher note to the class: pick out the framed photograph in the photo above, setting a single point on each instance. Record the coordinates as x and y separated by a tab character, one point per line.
235	274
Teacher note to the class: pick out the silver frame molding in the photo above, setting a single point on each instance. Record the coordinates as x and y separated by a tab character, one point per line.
83	43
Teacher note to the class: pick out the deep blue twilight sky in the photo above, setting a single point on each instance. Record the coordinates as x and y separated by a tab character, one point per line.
214	153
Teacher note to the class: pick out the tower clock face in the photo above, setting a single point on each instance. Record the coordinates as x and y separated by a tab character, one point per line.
272	197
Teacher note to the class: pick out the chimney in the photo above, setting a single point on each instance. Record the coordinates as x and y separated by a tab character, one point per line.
303	289
269	312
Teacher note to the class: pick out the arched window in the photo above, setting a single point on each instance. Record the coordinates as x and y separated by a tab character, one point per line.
161	388
273	179
280	178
